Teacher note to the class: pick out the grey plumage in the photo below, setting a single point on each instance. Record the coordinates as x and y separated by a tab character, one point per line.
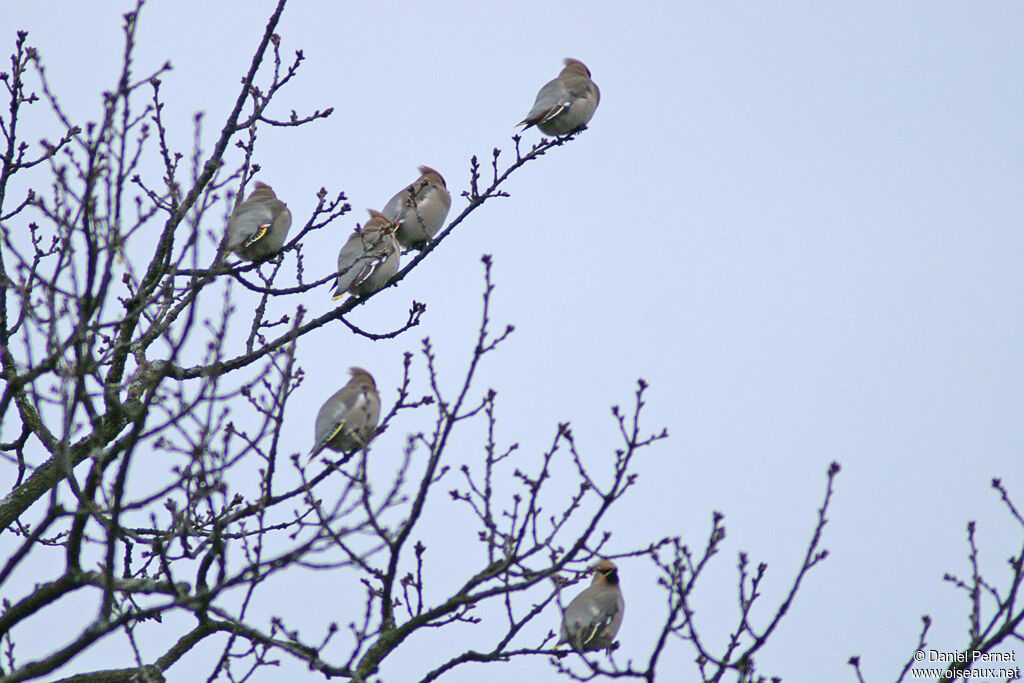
348	419
592	619
566	103
259	225
419	209
369	259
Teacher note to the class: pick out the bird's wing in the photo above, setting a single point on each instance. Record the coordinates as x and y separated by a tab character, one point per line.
551	100
249	225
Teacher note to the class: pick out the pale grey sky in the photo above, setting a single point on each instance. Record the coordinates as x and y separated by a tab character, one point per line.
802	223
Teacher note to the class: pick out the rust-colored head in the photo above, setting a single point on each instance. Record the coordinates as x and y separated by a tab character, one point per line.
427	171
378	221
362	375
575	66
605	571
262	188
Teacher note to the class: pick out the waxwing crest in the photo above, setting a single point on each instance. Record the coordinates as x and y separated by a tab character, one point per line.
426	170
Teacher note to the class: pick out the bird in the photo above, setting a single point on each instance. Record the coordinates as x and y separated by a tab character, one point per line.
592	619
348	419
369	258
419	210
258	226
567	103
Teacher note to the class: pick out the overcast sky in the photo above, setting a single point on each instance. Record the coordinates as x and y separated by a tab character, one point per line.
802	223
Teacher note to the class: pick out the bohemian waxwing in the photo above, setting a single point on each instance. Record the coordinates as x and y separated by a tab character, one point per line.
369	258
420	209
258	226
593	617
567	103
348	419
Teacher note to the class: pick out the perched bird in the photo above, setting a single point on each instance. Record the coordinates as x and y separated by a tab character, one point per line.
258	226
369	258
420	209
567	103
348	419
593	617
